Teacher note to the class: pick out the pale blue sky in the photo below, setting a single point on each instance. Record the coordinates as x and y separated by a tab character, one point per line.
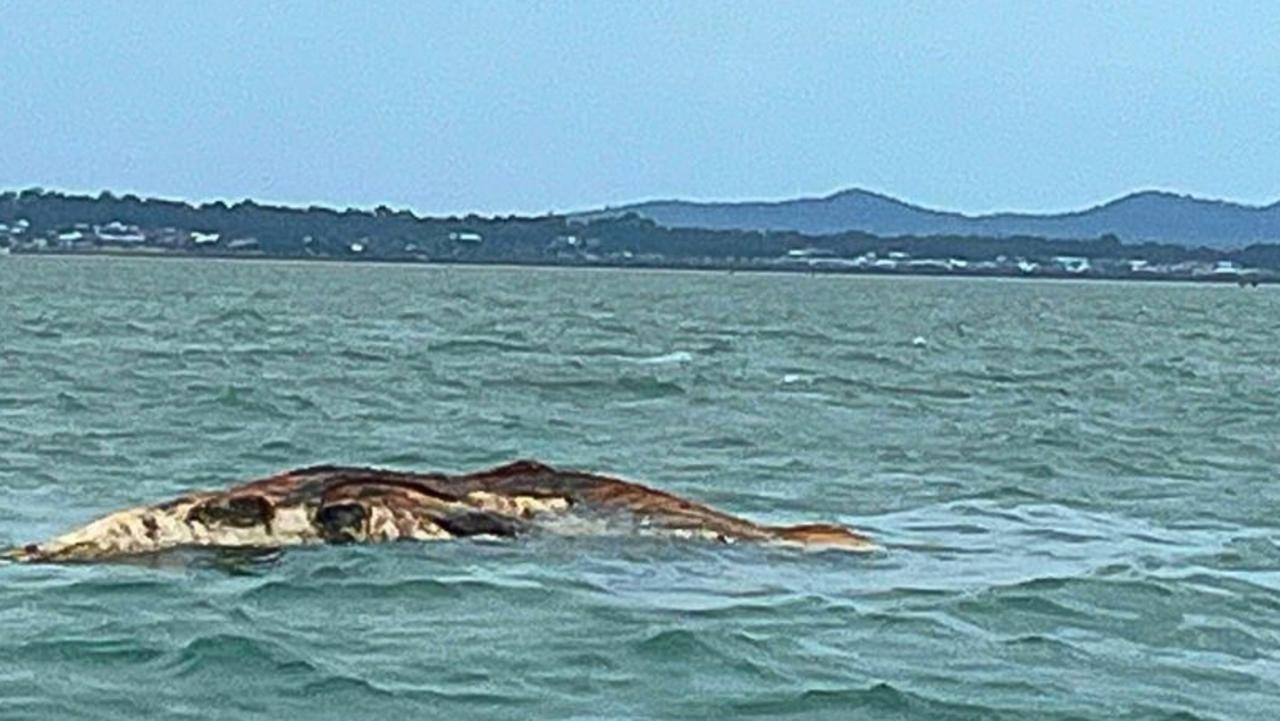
515	106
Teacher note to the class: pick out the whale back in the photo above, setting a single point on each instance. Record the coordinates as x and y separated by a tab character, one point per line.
344	504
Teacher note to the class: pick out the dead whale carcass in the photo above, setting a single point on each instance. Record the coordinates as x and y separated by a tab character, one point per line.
332	504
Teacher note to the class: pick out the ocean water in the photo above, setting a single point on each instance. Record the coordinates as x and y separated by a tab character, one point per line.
1075	484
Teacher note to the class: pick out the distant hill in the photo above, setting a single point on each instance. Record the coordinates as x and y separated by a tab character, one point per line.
36	221
1138	217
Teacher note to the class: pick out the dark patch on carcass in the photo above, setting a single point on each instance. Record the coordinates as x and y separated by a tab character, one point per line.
313	470
523	466
340	522
477	523
402	481
236	511
152	528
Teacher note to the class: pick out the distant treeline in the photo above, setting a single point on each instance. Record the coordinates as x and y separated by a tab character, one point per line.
384	233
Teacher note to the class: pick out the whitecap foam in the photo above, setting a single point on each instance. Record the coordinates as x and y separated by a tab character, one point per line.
679	356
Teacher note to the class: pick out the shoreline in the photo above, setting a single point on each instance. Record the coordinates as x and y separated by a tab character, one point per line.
713	268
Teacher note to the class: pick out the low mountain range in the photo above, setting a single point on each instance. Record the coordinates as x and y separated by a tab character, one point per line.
1155	216
36	221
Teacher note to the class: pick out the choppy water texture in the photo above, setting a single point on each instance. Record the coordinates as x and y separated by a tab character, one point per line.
1076	484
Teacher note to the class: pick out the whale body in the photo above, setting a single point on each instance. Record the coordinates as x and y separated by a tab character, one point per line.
334	504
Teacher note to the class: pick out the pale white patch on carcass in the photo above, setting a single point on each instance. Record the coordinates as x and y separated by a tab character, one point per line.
425	530
292	524
517	506
233	536
148	529
120	532
381	525
385	524
131	531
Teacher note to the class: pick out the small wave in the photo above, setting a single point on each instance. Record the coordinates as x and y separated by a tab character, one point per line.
674	643
215	653
736	652
881	700
362	356
966	529
234	316
263	294
936	393
677	357
414	315
466	346
786	607
345	687
99	650
421	590
1061	536
1040	641
1004	493
872	358
636	388
68	403
1005	603
245	398
719	443
97	588
45	328
792	334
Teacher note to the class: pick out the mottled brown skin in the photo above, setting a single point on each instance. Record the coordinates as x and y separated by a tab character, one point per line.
331	504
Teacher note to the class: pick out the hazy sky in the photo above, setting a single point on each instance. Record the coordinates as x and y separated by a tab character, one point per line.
522	106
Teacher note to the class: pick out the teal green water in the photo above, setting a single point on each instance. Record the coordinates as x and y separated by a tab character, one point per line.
1075	483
